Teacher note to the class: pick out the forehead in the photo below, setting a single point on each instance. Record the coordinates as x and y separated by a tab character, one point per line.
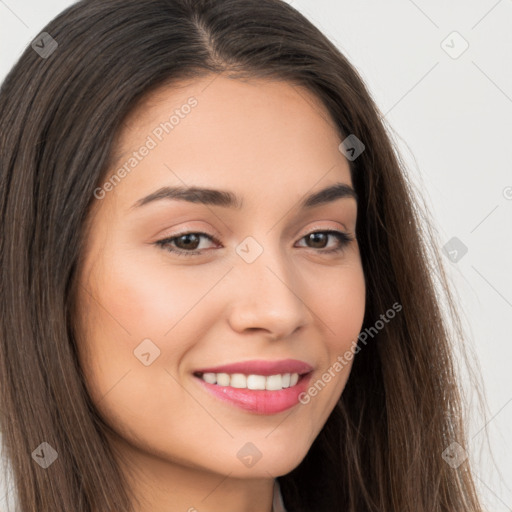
241	104
252	135
218	92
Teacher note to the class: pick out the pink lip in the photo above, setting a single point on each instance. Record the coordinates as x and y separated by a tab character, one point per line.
260	401
261	367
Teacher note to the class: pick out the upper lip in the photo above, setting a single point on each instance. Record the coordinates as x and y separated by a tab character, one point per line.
261	367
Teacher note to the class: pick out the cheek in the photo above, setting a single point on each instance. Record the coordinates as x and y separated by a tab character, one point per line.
152	299
345	304
123	305
123	302
130	298
348	320
341	306
341	311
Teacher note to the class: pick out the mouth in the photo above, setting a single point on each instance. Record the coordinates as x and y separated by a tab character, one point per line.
262	387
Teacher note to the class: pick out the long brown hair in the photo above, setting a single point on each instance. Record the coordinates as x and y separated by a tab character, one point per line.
382	447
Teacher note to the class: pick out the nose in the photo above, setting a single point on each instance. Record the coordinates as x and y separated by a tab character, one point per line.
266	297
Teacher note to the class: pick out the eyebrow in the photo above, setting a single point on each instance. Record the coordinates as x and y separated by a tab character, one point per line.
226	199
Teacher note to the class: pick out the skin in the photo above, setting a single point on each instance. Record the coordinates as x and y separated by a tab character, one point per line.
271	143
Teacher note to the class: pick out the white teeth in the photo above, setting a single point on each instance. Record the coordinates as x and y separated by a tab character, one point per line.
255	382
274	382
222	379
238	380
211	378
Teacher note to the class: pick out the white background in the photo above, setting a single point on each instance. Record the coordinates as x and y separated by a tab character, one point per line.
452	119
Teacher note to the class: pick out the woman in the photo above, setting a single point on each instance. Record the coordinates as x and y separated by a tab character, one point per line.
216	294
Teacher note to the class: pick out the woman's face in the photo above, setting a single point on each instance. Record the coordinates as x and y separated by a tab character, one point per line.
249	283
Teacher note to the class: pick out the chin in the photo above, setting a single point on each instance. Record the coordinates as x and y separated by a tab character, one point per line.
274	461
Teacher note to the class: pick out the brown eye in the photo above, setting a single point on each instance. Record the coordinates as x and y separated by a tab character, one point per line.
188	241
185	244
319	240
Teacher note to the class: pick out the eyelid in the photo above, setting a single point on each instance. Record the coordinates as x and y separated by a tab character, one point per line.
313	228
209	231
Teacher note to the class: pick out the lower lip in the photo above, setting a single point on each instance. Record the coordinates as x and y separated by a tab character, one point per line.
260	401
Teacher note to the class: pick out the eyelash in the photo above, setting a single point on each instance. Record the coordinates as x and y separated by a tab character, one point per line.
343	238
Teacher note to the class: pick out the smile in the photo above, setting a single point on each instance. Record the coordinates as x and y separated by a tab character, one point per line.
264	392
